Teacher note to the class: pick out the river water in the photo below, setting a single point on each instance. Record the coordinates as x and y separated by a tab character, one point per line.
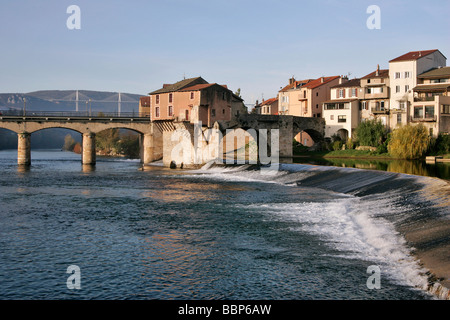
217	233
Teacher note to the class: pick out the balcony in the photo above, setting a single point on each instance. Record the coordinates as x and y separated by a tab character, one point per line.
379	110
422	99
427	118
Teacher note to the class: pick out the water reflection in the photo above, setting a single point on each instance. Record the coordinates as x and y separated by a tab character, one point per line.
420	168
23	168
88	168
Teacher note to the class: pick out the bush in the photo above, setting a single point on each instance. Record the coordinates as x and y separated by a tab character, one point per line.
371	133
337	145
409	142
350	144
440	145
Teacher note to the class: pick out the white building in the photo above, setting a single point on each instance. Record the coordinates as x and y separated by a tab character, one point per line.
403	72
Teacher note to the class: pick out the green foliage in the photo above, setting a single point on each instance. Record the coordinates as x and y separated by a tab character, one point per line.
107	140
337	145
409	142
440	145
350	144
297	147
371	133
129	146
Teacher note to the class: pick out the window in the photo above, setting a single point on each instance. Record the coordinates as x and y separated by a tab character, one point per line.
446	108
364	105
341	93
213	112
157	99
353	92
402	105
192	95
317	94
397	75
429	111
319	115
399	118
382	105
223	110
418	112
170	111
317	106
304	94
170	97
406	74
406	88
397	89
157	112
342	118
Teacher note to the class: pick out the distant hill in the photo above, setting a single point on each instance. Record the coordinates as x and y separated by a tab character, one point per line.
65	100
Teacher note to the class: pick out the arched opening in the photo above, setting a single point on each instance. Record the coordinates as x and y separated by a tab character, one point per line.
56	143
8	139
119	142
343	134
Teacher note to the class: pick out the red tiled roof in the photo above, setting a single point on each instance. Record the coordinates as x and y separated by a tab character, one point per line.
268	101
381	73
413	55
318	82
295	84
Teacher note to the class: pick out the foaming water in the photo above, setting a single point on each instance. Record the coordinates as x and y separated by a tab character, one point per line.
362	225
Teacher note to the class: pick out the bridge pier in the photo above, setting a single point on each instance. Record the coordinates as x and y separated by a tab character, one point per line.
147	149
88	156
24	149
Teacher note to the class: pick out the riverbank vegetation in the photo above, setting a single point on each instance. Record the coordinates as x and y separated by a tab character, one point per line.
371	140
111	142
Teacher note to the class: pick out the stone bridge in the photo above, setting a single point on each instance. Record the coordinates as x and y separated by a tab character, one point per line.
185	144
174	142
88	127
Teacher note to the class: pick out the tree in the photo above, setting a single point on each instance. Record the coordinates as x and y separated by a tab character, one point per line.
371	133
69	143
238	92
409	142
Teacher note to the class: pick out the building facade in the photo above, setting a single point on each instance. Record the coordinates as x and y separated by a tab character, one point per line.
341	113
403	72
194	100
431	106
375	96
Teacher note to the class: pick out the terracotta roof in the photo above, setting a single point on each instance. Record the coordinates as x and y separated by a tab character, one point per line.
318	82
437	73
180	85
295	84
382	73
268	101
413	55
348	84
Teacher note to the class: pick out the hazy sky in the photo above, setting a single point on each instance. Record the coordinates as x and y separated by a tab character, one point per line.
136	46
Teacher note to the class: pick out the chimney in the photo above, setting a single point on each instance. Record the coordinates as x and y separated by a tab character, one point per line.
322	79
291	80
377	73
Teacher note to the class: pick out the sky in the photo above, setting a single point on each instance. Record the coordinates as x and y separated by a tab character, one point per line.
136	46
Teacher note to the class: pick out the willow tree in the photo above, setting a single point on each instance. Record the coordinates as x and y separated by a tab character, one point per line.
409	142
371	133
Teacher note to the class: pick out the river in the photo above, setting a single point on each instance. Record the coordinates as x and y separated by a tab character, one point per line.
307	232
